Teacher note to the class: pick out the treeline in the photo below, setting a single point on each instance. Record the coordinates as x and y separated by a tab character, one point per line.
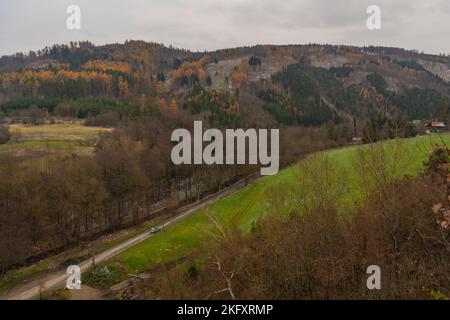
59	83
103	111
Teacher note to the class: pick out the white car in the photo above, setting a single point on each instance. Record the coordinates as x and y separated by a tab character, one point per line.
154	230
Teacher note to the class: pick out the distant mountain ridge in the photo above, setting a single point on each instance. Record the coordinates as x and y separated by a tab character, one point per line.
291	84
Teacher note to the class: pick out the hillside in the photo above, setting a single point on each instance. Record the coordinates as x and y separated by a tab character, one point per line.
277	195
293	84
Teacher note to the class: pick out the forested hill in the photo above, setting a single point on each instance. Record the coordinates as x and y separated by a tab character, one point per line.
307	85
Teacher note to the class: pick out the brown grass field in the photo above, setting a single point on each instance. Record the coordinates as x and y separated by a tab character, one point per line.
31	141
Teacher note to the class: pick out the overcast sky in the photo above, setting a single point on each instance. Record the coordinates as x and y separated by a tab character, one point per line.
213	24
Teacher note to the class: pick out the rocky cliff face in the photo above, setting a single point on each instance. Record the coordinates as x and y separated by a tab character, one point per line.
439	69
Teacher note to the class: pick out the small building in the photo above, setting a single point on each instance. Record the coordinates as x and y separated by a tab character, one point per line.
438	125
357	140
435	126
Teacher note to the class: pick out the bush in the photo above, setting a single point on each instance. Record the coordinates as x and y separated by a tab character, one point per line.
254	61
5	135
60	294
438	156
101	277
108	119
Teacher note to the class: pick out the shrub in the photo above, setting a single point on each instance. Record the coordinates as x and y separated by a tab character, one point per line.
254	61
438	156
101	277
108	119
60	294
5	135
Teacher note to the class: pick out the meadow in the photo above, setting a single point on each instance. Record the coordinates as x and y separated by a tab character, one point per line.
30	141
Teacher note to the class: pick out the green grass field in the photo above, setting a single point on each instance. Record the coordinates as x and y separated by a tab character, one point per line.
239	209
249	204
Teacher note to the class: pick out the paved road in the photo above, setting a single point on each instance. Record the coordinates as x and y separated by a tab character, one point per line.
58	278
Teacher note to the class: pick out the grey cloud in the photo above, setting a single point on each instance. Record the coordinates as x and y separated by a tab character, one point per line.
212	24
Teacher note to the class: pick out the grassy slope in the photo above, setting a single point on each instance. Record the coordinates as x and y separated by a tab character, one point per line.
239	209
247	205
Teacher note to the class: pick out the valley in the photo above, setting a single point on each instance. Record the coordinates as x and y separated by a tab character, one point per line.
183	236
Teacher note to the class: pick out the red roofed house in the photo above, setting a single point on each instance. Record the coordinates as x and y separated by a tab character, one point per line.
438	124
